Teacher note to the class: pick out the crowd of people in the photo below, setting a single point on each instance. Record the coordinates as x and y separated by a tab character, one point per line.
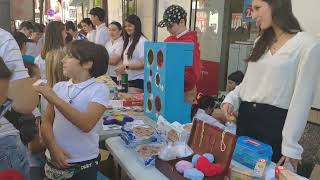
49	72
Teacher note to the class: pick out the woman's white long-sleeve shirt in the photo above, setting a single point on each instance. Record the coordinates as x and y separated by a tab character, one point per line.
286	79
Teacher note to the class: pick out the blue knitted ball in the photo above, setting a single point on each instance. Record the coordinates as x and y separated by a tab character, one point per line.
195	159
209	156
193	174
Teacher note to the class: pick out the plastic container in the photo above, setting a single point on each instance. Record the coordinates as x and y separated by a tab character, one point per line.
147	153
249	151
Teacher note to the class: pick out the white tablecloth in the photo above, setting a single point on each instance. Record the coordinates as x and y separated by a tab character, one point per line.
128	161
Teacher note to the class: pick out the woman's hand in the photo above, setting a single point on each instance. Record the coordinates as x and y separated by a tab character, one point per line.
120	69
289	163
228	111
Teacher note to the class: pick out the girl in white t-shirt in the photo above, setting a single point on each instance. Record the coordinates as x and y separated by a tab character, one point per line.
133	52
71	121
89	28
114	47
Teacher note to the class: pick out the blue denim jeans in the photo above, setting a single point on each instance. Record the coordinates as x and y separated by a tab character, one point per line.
13	155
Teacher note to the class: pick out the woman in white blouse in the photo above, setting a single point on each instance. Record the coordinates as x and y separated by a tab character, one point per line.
277	91
114	47
89	28
133	52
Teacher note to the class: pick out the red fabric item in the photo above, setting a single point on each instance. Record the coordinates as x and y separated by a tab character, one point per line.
10	174
208	169
192	73
202	164
213	170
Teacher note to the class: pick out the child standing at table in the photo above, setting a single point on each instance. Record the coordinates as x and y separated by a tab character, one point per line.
71	122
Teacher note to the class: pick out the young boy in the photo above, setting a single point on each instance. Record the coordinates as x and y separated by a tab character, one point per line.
97	16
234	79
175	19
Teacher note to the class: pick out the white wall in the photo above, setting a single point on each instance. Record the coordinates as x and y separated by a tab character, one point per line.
145	12
307	13
115	10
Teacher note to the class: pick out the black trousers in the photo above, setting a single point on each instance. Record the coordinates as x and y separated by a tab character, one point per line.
264	123
137	83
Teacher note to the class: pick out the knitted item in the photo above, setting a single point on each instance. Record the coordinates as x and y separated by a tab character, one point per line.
195	159
208	169
193	174
209	156
181	166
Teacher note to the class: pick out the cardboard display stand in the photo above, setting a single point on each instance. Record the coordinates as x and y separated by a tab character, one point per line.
164	80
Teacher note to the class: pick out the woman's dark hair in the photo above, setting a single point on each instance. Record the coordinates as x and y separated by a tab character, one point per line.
88	22
5	73
237	77
135	20
283	17
99	12
116	23
53	38
26	24
86	51
38	28
204	102
70	25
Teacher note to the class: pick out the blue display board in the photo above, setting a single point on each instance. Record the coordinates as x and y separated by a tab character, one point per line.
164	80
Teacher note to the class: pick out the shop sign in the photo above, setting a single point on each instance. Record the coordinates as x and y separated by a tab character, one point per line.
247	11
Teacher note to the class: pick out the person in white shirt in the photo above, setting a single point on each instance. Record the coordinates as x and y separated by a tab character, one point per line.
133	53
72	119
12	151
114	47
276	94
89	28
97	16
34	47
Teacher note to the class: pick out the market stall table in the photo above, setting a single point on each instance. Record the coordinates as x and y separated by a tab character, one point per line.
105	134
129	163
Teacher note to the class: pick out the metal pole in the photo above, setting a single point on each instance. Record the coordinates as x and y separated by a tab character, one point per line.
5	15
82	10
